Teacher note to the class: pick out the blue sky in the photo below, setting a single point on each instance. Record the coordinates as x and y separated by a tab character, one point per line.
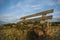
13	10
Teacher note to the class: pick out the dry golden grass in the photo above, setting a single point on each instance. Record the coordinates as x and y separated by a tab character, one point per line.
15	34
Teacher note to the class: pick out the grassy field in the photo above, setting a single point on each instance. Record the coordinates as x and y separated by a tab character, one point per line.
19	32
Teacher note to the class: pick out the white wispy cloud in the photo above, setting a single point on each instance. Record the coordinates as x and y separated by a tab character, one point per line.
56	14
26	7
9	17
50	2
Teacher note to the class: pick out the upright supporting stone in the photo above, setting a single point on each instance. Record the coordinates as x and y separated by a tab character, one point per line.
48	28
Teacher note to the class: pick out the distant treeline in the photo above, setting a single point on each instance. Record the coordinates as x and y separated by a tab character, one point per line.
35	23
